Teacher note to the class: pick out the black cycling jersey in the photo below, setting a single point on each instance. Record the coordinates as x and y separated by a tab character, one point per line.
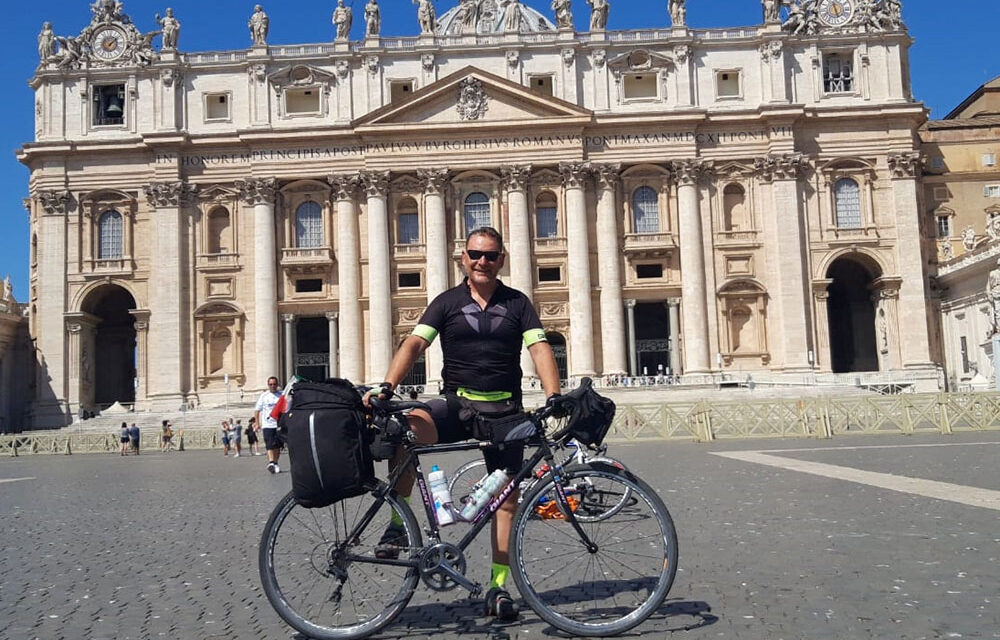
481	347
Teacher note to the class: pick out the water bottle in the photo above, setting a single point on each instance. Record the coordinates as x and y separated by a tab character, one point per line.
490	487
441	496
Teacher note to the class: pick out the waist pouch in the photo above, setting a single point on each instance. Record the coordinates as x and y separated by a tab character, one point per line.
496	422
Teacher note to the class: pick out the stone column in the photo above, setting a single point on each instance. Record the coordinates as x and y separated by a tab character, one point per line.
633	360
515	182
141	323
289	321
913	298
261	193
333	369
435	181
351	328
609	271
581	312
166	303
50	409
790	258
888	335
80	342
674	312
822	355
693	286
380	343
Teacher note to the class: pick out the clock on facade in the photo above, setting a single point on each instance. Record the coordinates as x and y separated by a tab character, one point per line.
108	44
835	13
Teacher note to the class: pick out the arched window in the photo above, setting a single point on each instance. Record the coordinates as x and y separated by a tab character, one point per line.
546	215
407	222
308	225
645	211
218	226
477	212
847	199
109	236
734	208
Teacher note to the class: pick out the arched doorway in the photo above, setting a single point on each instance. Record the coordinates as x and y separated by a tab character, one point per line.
652	339
113	360
851	314
558	344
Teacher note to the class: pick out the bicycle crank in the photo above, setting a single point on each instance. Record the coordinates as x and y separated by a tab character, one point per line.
442	568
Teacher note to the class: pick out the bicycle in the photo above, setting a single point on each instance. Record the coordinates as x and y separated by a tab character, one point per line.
472	474
588	578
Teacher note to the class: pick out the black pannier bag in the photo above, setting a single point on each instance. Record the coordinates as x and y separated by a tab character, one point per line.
328	443
590	414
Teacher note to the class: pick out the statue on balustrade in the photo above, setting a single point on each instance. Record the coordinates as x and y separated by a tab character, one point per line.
343	18
511	15
373	19
46	42
678	13
171	28
772	11
564	15
259	25
598	14
426	16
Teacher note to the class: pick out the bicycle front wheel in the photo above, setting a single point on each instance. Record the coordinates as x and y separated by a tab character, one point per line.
611	590
325	589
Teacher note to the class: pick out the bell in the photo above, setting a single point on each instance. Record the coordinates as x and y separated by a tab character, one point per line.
114	109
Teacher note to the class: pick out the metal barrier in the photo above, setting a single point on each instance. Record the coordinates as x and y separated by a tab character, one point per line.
701	422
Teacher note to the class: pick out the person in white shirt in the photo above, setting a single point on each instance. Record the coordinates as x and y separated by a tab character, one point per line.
268	425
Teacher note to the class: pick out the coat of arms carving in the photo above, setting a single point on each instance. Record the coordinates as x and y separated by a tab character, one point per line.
472	99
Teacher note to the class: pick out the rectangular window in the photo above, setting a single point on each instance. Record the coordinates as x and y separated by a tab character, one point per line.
991	191
965	355
944	226
727	84
549	274
640	85
217	106
299	101
838	73
109	105
941	193
937	163
644	271
309	285
408	280
548	222
989	160
542	85
409	228
400	90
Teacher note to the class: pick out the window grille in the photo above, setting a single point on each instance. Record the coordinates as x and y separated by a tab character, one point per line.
645	210
991	191
838	76
477	212
309	225
409	228
109	244
944	226
847	195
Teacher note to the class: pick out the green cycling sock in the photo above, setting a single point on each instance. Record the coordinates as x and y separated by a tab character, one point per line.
500	573
396	518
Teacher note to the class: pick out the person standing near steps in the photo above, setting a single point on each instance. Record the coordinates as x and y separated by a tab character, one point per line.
268	425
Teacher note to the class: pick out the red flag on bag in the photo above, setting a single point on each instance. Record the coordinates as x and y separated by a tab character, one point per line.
284	403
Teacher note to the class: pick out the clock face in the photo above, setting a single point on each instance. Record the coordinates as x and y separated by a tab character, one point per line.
108	44
836	13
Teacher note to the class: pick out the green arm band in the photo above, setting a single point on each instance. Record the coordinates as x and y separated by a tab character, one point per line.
425	332
534	336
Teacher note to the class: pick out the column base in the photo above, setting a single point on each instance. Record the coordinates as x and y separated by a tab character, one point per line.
166	402
49	414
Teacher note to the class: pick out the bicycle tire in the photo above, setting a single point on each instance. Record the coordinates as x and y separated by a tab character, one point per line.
294	562
600	505
465	477
545	553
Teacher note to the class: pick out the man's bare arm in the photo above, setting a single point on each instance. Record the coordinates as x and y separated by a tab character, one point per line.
545	367
404	358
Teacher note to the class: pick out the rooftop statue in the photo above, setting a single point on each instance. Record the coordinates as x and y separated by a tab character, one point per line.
343	18
259	25
46	42
598	14
678	13
426	16
511	15
492	17
171	29
108	11
373	19
993	295
772	11
564	15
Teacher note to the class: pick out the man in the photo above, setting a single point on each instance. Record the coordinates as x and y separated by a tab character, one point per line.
235	436
134	434
482	324
268	425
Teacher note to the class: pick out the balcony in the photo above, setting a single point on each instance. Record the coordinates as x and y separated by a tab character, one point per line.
737	239
649	245
218	261
307	260
854	235
550	245
409	250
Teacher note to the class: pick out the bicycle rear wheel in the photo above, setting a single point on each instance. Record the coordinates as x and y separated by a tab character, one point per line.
602	502
327	593
465	478
603	593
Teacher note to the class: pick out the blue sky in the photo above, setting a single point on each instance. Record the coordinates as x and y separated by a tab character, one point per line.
954	53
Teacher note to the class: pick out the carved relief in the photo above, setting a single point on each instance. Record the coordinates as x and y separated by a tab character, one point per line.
427	61
568	57
553	309
515	178
771	50
408	316
905	164
374	183
689	172
513	59
599	57
607	175
434	181
473	103
56	202
258	190
344	186
574	174
780	167
169	194
372	64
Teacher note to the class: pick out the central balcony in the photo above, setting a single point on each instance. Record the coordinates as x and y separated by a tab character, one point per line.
307	259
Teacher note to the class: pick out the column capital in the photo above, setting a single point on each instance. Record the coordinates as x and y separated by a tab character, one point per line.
788	166
607	175
673	302
515	177
904	165
169	194
344	185
332	316
434	181
375	184
258	190
574	174
689	172
56	202
630	303
288	318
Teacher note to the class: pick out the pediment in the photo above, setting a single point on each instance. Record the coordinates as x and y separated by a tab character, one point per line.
300	75
216	193
640	60
472	97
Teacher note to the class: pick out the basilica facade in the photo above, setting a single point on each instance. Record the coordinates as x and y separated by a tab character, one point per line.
674	200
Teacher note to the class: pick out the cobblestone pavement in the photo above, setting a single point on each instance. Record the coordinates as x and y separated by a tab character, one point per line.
164	546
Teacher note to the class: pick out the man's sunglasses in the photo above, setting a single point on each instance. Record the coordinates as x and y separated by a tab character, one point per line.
491	256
